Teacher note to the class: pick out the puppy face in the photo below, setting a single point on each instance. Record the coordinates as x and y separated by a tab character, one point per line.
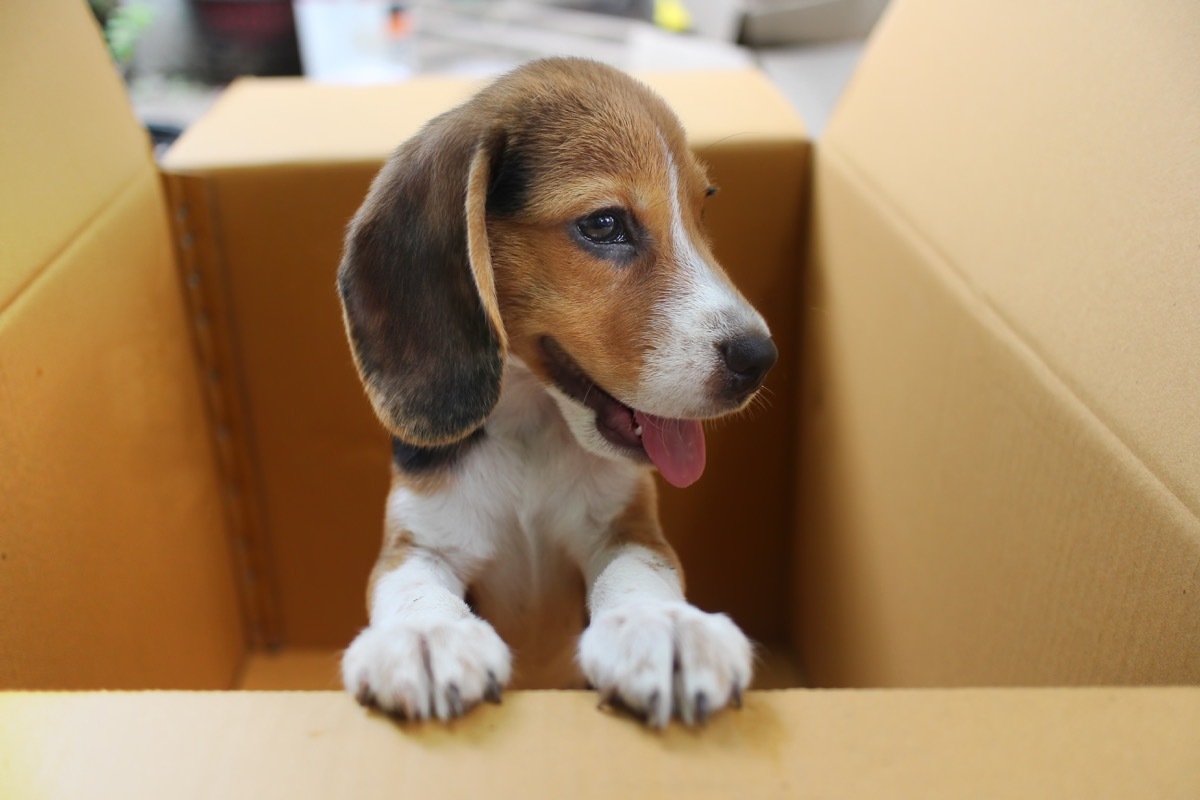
584	247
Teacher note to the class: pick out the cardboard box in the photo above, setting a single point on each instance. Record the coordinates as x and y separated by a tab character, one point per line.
269	180
977	468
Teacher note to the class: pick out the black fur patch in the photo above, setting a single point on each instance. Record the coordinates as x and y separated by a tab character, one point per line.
425	347
511	175
414	460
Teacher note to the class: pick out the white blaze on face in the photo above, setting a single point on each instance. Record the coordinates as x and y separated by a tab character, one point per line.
699	312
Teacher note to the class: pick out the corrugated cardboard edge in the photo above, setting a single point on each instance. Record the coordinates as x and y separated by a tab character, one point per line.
197	245
266	123
1059	743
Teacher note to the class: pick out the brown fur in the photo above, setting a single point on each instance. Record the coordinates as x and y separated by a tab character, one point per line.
397	545
545	281
568	137
638	524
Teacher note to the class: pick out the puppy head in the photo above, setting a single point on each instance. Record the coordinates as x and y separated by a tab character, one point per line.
556	216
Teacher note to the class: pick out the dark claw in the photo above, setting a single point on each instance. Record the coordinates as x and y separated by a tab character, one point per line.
652	707
364	696
737	697
492	692
648	715
701	704
616	702
454	699
397	714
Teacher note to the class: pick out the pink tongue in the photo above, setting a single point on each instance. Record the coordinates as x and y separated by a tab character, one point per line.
676	446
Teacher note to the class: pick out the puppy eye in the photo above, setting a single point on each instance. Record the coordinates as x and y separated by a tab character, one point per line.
603	227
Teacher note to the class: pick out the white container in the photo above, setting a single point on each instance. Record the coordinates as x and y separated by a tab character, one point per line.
356	41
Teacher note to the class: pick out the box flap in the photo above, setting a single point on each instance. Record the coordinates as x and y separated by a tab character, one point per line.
1087	744
1050	153
114	563
1000	423
262	123
69	141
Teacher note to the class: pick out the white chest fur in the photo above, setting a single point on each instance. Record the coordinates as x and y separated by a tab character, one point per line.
525	508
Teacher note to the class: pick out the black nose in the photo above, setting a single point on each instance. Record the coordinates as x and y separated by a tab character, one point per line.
748	359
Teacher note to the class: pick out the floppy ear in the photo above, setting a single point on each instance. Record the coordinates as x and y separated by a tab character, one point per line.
418	294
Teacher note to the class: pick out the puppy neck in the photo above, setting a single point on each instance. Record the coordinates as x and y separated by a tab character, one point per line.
530	417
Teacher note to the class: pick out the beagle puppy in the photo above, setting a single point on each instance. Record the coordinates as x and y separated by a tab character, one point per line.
539	322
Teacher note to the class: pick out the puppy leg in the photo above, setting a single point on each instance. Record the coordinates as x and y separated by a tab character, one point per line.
651	650
424	653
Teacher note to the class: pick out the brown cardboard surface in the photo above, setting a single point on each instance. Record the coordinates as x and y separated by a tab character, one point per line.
292	669
966	521
63	158
282	122
114	566
1049	154
207	299
1000	417
283	165
319	458
1088	744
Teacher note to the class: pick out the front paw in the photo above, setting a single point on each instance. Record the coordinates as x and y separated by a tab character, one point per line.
423	668
662	658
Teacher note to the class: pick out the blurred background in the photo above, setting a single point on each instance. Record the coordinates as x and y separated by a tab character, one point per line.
176	55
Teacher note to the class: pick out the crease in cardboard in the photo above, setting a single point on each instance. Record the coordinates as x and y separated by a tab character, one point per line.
1001	324
104	209
202	280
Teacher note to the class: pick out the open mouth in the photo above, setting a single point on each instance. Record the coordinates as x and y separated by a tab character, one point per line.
675	446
